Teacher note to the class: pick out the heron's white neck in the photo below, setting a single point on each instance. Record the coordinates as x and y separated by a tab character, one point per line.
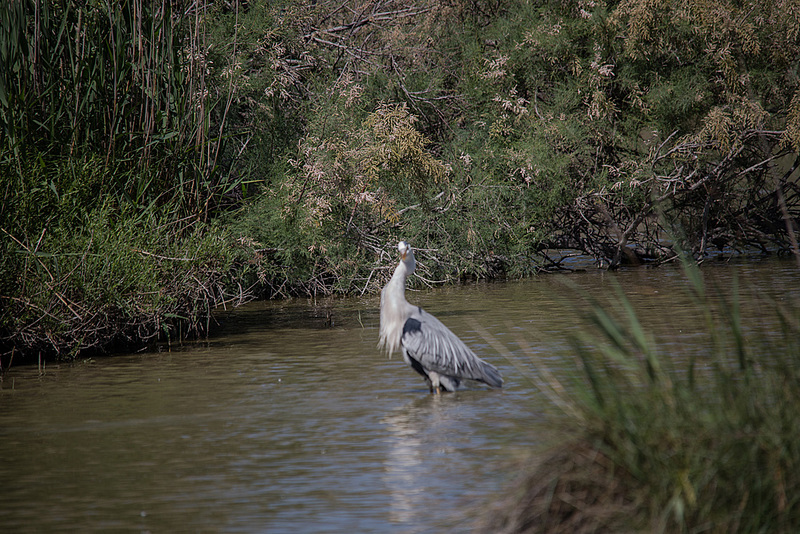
401	272
394	307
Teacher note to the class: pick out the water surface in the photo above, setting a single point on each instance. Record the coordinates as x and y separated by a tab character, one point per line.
289	420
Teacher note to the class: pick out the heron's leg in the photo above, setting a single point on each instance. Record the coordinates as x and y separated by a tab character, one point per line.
435	386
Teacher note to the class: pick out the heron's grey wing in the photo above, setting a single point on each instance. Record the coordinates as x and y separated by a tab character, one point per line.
438	349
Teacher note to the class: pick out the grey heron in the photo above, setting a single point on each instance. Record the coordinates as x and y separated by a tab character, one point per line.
428	346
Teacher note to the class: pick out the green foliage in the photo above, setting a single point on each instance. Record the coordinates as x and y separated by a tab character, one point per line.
713	443
77	80
365	165
665	437
122	277
555	127
257	68
124	85
110	137
485	132
792	136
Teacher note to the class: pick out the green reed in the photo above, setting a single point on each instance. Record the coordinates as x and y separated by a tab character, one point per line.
705	445
111	134
713	445
129	82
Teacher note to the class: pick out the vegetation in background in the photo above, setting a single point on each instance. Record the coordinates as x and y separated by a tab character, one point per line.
111	163
708	444
300	140
556	127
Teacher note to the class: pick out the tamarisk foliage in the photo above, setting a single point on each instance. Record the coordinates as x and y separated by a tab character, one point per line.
591	127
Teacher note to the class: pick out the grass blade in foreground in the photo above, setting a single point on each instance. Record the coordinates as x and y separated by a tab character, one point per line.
666	449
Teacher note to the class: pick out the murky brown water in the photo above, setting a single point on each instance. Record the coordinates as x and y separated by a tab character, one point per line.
291	421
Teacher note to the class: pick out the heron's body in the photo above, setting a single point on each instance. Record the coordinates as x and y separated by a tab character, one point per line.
428	346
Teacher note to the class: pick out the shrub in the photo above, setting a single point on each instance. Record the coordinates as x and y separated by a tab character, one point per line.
121	279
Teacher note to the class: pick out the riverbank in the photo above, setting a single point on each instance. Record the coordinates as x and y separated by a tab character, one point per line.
178	160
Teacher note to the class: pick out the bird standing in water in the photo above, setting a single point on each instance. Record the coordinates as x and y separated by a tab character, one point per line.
429	347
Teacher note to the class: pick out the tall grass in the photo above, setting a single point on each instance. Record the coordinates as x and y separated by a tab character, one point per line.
129	82
111	134
707	445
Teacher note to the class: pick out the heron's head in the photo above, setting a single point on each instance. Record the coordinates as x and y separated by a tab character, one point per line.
407	255
404	249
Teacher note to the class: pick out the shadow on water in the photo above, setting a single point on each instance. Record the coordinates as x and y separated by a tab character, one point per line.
290	420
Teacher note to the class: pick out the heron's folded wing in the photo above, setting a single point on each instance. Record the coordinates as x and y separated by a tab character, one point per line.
438	349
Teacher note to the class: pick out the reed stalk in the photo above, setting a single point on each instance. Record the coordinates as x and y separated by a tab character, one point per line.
707	445
109	128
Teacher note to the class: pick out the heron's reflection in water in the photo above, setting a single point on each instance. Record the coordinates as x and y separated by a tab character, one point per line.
420	456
